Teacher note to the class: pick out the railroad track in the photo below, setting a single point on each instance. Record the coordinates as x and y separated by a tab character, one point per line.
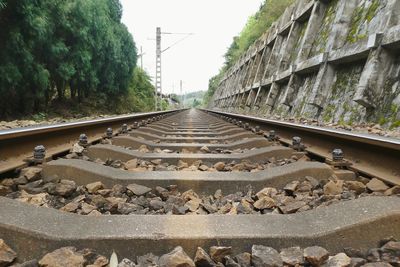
208	179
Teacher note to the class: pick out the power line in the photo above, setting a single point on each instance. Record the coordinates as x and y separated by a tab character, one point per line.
158	84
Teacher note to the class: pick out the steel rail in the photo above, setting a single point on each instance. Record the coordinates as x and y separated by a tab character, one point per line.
16	145
370	155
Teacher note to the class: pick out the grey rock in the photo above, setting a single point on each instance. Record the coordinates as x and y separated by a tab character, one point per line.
176	258
94	187
156	204
262	256
244	259
339	260
209	208
218	253
31	263
377	264
229	262
126	263
127	208
147	260
4	190
138	190
292	206
175	200
33	187
66	256
292	256
98	201
202	259
376	185
357	262
373	255
7	255
31	173
20	180
291	187
65	188
315	255
390	252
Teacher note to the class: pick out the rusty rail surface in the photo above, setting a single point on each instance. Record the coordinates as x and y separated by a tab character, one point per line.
371	155
16	145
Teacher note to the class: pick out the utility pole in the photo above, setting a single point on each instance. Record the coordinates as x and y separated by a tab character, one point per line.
158	85
158	69
181	94
141	57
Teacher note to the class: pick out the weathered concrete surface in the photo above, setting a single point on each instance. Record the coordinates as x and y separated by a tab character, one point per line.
335	61
235	130
132	142
85	172
149	136
194	127
360	224
105	152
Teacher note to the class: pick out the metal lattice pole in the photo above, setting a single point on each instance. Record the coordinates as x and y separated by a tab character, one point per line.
158	105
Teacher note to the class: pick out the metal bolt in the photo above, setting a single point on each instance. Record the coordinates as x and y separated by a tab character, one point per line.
39	153
296	140
257	129
135	125
271	135
246	126
83	140
296	144
124	128
109	132
337	154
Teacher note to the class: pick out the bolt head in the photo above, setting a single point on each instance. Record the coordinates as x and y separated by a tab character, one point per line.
337	154
39	152
40	148
296	140
109	132
83	139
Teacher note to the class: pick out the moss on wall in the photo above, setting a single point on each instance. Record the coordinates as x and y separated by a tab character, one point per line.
325	29
340	107
300	36
360	19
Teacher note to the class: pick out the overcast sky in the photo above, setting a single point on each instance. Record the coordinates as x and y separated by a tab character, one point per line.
197	58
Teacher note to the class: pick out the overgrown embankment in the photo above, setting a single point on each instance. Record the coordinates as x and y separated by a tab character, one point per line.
76	53
256	25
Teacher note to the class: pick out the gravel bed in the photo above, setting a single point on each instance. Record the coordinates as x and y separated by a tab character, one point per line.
140	165
388	254
366	128
95	199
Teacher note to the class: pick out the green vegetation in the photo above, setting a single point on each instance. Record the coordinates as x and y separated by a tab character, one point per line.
360	16
256	25
325	29
192	100
76	51
140	96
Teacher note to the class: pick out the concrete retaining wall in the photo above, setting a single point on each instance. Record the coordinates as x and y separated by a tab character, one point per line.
337	61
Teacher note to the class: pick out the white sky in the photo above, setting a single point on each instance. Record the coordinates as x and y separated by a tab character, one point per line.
197	58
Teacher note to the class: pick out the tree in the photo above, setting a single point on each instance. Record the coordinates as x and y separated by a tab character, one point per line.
256	25
62	49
